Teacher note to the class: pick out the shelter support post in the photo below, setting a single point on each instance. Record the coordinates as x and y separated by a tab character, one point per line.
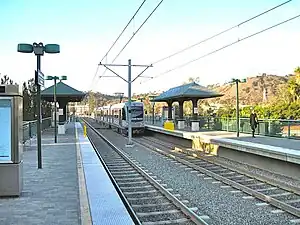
169	110
180	109
195	122
181	119
169	125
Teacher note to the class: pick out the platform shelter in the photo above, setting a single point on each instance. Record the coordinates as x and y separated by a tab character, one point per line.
64	95
187	92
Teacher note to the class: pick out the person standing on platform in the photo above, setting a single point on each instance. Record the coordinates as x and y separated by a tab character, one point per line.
253	121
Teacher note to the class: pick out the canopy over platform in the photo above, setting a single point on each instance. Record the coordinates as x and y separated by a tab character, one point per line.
186	92
63	92
64	95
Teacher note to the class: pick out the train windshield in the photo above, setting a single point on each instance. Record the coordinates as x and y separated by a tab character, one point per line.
137	113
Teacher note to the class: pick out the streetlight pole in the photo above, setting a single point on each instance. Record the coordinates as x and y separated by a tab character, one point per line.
39	50
55	112
39	117
153	106
129	82
237	109
237	81
120	95
55	78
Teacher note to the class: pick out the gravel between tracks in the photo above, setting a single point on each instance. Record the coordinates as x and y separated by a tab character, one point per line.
280	179
276	177
222	206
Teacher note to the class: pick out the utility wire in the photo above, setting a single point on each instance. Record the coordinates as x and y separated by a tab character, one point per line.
226	46
118	37
222	32
133	35
137	30
123	30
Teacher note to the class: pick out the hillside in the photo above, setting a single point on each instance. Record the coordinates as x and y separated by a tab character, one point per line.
256	90
250	93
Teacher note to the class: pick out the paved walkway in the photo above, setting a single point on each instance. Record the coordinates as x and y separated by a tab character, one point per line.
50	195
273	141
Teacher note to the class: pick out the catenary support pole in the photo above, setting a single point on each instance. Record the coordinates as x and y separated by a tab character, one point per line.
129	104
129	82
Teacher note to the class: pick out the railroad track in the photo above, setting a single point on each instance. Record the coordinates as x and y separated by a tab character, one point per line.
285	199
152	203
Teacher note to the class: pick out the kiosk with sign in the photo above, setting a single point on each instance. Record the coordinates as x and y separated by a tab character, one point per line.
11	140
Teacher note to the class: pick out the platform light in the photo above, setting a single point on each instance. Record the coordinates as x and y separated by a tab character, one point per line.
38	49
55	78
151	97
237	81
52	48
25	48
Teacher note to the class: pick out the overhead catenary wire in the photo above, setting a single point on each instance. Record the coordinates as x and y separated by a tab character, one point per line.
220	33
133	35
137	30
132	18
226	46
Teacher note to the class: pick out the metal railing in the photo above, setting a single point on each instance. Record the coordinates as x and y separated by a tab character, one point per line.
30	128
267	127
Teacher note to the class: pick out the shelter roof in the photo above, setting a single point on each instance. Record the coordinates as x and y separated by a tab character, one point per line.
186	92
63	91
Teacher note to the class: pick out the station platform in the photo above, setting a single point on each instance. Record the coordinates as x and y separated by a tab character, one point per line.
259	150
106	207
71	188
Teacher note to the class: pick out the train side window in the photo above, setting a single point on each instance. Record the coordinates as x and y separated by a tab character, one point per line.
123	114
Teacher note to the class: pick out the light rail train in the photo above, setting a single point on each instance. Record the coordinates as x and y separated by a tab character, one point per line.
117	116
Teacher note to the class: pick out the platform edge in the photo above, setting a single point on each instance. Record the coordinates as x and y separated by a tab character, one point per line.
85	213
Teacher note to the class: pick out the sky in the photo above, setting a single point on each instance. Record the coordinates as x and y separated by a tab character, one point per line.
85	30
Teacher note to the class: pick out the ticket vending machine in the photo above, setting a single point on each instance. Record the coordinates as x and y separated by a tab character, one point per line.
11	140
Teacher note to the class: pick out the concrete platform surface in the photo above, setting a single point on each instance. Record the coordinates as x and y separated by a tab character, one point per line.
50	195
281	149
264	140
106	207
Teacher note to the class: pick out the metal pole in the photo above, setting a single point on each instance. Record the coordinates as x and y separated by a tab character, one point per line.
129	104
153	113
39	117
55	111
237	109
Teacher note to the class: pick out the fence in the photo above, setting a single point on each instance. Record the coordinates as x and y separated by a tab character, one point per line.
30	128
266	127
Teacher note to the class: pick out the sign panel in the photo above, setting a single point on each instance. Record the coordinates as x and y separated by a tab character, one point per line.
61	112
39	78
5	130
195	110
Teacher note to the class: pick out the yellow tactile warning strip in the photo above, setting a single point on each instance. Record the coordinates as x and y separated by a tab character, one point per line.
85	214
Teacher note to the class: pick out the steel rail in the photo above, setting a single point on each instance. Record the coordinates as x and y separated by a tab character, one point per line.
118	189
258	177
185	210
279	204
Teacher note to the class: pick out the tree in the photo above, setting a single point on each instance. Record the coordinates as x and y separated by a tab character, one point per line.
297	74
27	110
91	102
6	80
192	79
